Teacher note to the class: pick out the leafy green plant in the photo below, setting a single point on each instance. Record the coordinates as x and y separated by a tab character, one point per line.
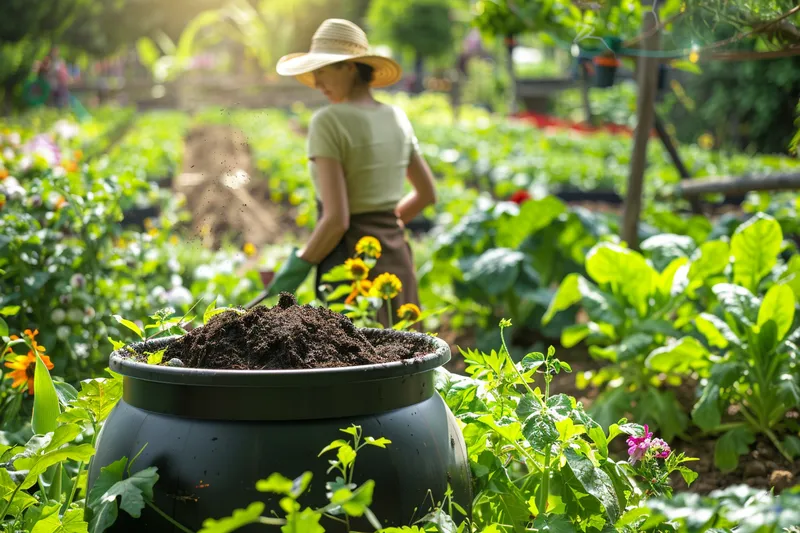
538	459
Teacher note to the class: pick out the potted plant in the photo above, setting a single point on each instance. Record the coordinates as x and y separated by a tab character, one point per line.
607	63
254	392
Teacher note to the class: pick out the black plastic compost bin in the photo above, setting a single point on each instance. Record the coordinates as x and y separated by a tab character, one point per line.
214	433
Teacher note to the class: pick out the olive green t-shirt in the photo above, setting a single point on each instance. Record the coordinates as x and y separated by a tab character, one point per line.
373	144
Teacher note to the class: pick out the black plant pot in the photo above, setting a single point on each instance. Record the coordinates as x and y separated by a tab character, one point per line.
604	76
213	434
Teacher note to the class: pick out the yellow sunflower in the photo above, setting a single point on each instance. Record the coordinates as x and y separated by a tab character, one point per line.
386	286
249	249
360	288
357	269
409	312
369	247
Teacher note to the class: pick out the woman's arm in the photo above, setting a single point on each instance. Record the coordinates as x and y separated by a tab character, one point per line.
424	193
335	211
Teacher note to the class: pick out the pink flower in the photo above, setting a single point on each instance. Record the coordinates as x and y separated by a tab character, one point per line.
639	446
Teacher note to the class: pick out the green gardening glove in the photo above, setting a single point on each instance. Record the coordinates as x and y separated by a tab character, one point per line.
291	275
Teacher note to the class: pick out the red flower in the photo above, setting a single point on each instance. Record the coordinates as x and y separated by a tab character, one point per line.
520	196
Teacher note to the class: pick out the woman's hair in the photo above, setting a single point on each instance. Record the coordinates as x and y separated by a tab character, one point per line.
366	73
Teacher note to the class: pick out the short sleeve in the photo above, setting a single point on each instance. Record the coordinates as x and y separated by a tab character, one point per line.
408	129
324	139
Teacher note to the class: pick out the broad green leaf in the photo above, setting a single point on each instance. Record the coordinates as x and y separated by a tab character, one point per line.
791	276
572	335
755	246
527	405
730	446
346	455
738	301
22	500
715	330
792	445
707	413
3	328
275	483
540	430
496	270
335	445
37	465
600	440
710	259
207	314
679	357
533	361
533	216
566	296
133	491
72	522
554	524
596	482
9	310
380	443
66	393
673	278
361	499
560	406
625	271
778	305
155	358
45	401
239	519
663	407
306	521
665	248
130	325
688	475
148	52
506	427
99	396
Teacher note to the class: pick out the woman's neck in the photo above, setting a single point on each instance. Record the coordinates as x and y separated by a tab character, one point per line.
361	95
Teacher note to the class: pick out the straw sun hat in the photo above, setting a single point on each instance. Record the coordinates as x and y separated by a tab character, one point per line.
338	40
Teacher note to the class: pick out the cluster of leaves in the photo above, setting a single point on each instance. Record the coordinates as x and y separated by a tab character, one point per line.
539	460
693	310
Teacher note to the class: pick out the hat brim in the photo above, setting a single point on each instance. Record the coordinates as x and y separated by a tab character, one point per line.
302	66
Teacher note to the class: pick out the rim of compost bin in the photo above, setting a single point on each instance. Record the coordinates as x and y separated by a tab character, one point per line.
122	363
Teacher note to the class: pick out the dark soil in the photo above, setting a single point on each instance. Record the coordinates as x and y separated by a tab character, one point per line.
290	336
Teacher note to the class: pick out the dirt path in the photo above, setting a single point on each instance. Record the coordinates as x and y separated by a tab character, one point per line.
225	194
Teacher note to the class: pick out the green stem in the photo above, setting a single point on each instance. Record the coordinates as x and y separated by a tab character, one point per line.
271	521
74	490
545	489
11	499
389	309
778	445
513	364
167	517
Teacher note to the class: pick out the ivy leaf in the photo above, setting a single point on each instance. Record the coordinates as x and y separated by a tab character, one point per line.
778	305
595	481
755	246
239	519
540	430
560	406
730	446
110	485
130	325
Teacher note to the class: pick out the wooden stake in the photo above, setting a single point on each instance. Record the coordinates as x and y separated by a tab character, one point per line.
647	77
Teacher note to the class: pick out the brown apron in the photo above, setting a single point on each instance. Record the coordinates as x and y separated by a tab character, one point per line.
396	257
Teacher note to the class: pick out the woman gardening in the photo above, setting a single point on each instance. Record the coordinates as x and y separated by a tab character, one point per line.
360	152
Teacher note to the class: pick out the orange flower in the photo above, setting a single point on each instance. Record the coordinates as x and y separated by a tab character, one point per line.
70	166
78	154
3	174
24	369
61	202
360	288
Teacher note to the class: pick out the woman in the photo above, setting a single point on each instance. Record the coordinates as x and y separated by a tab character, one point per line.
360	154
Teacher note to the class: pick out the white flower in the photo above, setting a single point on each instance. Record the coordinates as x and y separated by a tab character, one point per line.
14	138
81	350
75	316
11	188
65	129
159	294
8	154
176	281
59	172
204	272
58	315
62	332
173	264
179	296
